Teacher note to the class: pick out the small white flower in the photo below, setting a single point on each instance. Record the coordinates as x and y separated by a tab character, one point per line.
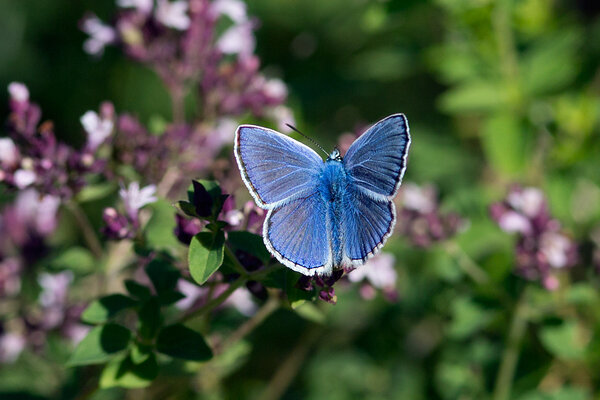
417	198
234	9
239	39
9	154
24	178
379	271
143	6
275	88
512	221
555	246
100	35
173	14
54	288
98	129
38	211
11	345
529	201
18	92
241	299
135	198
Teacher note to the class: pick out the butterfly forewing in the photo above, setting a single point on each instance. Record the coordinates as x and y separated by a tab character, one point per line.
275	168
377	159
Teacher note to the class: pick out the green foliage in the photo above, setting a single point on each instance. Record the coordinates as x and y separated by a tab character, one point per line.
106	307
101	344
206	254
179	341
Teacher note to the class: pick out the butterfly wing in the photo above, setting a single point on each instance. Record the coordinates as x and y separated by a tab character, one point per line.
275	168
283	175
368	222
298	236
377	159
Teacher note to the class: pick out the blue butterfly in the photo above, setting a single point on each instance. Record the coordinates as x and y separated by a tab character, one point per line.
325	215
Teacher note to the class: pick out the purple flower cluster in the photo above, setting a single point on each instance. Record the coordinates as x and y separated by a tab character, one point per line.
179	40
125	225
377	274
542	247
32	157
419	216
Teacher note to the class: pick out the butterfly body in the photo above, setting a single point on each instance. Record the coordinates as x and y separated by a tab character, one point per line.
324	215
333	185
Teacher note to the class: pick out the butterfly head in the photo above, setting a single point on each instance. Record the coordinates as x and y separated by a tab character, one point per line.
335	155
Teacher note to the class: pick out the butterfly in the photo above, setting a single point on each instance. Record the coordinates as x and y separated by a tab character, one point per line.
325	215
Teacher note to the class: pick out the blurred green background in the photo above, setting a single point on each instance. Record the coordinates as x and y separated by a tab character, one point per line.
495	92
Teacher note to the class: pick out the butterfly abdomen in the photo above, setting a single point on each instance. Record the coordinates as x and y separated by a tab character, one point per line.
333	183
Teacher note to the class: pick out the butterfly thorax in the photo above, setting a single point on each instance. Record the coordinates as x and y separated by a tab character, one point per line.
333	189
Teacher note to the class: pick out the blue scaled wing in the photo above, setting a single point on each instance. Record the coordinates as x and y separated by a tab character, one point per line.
297	234
377	159
368	222
275	168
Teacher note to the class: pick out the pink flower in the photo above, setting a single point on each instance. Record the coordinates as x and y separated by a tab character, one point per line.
37	211
143	6
98	129
18	92
23	178
242	301
135	198
100	35
239	39
11	346
173	14
234	9
9	154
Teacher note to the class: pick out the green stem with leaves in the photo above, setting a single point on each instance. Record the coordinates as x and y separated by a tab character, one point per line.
510	356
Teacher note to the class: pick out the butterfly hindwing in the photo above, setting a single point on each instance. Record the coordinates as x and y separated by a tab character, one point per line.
377	159
297	234
275	168
368	222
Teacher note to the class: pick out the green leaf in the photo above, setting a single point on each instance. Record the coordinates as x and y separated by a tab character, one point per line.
76	259
96	192
541	74
311	312
564	341
504	144
106	307
100	345
467	318
179	341
137	290
250	243
187	208
123	372
206	255
163	275
474	96
150	318
159	230
140	353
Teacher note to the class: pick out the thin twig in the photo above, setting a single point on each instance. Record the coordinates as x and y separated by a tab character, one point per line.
263	313
89	234
467	264
287	371
510	356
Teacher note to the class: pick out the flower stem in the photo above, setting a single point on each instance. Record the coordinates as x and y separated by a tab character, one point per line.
89	234
467	264
510	356
217	301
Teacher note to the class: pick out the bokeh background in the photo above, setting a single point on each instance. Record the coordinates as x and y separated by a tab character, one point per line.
497	93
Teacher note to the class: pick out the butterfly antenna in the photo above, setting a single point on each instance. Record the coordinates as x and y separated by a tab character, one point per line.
311	140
